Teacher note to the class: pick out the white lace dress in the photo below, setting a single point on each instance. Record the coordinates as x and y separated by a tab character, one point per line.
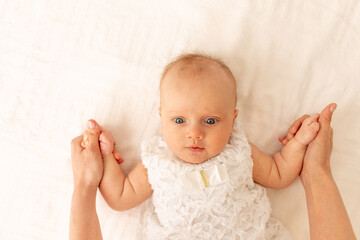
235	209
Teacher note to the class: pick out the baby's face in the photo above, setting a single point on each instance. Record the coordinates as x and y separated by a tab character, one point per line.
197	113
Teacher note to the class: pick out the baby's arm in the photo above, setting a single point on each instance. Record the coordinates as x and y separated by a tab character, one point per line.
121	192
283	167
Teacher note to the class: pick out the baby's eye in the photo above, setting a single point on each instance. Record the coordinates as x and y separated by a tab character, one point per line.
178	120
211	121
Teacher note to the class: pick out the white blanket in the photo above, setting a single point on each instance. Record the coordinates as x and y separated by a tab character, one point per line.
65	61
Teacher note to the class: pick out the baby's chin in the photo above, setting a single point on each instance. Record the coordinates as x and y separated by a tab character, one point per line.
196	159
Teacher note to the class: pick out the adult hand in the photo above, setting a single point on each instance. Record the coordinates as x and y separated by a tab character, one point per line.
87	163
103	141
88	170
317	156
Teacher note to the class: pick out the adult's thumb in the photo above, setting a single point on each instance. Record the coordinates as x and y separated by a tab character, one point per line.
326	114
93	127
93	133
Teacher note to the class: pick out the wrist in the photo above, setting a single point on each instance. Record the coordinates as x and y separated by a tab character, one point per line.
299	143
85	189
108	157
107	154
320	175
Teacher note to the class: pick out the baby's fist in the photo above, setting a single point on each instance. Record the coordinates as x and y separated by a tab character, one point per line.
106	144
308	130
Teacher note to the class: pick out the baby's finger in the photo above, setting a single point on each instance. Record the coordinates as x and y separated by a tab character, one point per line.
106	137
102	137
313	118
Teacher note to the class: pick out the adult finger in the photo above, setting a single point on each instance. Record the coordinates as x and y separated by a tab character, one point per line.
93	133
282	138
296	125
85	140
284	142
289	136
326	115
92	122
93	126
75	144
117	156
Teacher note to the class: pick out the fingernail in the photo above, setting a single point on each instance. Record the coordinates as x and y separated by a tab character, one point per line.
85	140
84	143
91	124
333	107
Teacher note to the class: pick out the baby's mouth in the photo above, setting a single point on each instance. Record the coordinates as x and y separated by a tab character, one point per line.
195	149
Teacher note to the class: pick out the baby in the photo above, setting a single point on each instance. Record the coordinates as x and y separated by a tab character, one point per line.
202	174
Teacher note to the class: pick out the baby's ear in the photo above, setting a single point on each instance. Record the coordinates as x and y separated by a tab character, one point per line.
159	111
236	112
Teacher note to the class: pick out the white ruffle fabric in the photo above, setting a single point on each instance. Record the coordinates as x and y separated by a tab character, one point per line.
236	209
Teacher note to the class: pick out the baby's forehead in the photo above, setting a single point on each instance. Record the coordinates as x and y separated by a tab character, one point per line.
197	72
195	66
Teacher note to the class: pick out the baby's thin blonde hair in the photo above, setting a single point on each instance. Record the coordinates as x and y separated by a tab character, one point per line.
200	60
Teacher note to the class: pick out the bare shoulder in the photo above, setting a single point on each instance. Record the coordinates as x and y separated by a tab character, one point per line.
256	153
253	147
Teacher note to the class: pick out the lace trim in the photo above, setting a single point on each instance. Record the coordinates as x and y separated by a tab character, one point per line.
237	208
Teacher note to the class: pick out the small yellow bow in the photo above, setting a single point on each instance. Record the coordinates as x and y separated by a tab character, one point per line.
211	176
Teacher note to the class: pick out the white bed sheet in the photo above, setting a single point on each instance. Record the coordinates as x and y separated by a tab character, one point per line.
65	61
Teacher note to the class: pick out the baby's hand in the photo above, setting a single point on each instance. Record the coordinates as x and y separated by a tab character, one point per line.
308	130
309	126
106	144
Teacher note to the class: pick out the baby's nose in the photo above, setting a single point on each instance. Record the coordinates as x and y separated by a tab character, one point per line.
195	132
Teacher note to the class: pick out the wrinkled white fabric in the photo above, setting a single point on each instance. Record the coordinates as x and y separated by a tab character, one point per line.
236	209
